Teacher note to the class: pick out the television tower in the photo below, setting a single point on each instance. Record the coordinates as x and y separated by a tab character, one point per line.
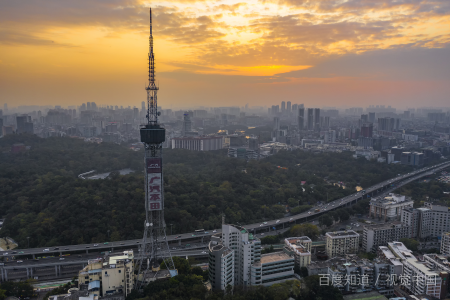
154	248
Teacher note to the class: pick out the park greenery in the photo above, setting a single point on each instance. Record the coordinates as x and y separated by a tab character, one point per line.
21	289
190	286
41	196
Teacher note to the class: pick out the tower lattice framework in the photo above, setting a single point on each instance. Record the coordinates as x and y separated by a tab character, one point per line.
154	248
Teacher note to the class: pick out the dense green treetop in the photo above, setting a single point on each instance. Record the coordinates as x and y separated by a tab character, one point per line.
41	196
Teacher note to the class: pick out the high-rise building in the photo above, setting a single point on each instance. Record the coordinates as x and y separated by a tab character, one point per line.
1	127
372	117
364	118
231	254
341	243
367	130
310	119
1	113
88	106
300	248
283	106
295	108
330	137
301	118
428	221
288	107
317	119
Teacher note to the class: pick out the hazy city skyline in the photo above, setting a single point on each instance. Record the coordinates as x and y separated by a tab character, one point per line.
224	53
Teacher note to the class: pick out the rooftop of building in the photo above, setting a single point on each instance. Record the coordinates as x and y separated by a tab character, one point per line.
391	199
274	257
341	234
385	225
301	239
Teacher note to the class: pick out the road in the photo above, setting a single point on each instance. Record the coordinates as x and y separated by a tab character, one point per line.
257	228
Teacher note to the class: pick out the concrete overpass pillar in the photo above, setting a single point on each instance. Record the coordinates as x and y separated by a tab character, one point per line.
31	271
6	275
87	251
179	242
56	271
59	270
34	257
28	274
202	239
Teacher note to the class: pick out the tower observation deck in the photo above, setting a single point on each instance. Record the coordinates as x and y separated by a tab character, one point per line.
154	248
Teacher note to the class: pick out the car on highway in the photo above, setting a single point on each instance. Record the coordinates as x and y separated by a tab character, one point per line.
122	243
105	243
56	248
203	252
214	231
177	237
193	235
14	252
20	261
61	258
278	221
261	225
262	233
290	219
137	242
21	252
264	223
206	232
95	245
87	246
174	248
309	212
46	250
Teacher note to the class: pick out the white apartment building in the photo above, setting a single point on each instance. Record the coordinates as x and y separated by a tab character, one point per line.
221	264
341	242
429	276
235	244
389	207
300	247
110	275
273	268
379	235
429	221
445	243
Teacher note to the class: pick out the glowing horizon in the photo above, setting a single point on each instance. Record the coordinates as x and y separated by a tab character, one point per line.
265	51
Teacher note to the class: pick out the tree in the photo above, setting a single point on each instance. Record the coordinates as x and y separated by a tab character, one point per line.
411	244
303	271
2	294
306	229
316	290
326	220
292	202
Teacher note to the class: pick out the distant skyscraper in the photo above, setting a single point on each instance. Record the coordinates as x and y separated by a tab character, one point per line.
283	106
1	113
372	117
143	105
93	106
301	118
317	118
288	107
88	106
367	129
5	107
310	118
187	124
295	108
1	126
364	118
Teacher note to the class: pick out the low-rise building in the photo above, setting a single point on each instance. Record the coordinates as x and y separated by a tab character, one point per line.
300	248
389	207
380	234
273	268
111	275
341	243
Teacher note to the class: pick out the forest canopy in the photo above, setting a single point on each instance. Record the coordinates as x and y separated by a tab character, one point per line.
41	196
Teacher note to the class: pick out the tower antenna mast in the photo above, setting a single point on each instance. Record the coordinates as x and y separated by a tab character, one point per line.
154	248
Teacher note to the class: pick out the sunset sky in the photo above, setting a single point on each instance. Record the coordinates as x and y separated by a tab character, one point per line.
222	53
